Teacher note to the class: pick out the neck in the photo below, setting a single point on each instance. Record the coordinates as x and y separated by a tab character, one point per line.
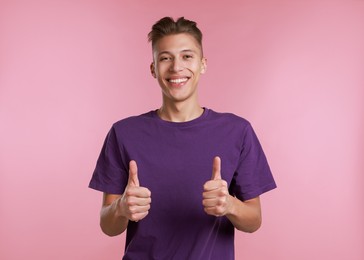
180	112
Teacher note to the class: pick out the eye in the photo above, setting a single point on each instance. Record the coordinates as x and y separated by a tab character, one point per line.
187	56
164	58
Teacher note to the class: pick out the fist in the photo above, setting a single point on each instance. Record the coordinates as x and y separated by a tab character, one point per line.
215	197
135	201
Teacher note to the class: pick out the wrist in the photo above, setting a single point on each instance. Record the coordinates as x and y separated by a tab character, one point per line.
231	206
118	209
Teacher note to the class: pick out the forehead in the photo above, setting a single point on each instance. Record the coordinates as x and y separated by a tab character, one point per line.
176	43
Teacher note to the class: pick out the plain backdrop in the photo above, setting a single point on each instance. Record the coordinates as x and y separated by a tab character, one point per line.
294	69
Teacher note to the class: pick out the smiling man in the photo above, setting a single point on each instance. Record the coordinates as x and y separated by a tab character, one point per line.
180	178
178	64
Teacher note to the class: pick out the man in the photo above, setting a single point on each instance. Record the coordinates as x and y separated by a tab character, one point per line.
180	178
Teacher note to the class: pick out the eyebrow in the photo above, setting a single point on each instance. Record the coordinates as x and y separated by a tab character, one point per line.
168	52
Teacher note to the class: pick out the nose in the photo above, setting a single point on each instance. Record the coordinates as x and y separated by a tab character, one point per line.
176	65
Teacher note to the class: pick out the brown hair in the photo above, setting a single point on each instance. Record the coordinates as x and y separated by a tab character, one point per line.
167	26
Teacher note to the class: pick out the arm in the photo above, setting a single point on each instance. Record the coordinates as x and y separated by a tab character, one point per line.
244	215
133	205
112	222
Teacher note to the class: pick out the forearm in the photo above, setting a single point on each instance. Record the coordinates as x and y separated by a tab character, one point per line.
112	222
245	216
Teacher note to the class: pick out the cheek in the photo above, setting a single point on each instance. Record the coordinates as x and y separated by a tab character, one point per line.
196	68
161	69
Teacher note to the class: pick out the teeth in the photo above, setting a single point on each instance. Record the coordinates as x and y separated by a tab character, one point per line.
178	80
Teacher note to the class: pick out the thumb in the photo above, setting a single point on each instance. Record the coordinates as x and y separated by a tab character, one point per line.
133	174
216	169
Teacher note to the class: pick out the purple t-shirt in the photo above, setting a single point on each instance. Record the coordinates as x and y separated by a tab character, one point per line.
174	161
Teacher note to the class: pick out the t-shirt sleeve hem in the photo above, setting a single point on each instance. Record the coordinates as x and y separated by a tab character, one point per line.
256	193
109	190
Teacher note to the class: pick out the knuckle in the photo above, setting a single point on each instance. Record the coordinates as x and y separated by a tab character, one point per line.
128	192
223	192
219	210
221	202
129	201
132	210
133	217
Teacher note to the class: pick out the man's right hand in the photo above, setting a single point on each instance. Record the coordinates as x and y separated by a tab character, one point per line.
134	204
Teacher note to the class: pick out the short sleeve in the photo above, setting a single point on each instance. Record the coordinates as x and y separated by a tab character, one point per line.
253	176
110	174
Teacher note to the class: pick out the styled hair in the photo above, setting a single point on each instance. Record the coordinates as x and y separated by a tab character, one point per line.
167	26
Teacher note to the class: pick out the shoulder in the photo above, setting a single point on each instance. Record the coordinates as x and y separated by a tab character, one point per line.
228	119
134	121
131	126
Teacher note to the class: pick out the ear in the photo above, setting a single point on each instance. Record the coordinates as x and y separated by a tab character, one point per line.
203	65
152	70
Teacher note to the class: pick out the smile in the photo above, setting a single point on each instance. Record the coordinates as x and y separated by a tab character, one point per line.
181	80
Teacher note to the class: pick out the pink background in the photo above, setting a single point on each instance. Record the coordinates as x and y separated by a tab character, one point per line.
69	69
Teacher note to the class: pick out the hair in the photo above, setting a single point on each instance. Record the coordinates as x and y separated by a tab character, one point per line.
167	26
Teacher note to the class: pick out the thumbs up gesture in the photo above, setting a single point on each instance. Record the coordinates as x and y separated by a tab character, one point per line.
135	201
215	197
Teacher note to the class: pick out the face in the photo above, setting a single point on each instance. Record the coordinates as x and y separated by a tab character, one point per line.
177	65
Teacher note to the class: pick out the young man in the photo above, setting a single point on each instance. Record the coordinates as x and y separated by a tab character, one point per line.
180	178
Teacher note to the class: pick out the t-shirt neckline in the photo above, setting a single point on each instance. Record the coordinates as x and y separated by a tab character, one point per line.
181	124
